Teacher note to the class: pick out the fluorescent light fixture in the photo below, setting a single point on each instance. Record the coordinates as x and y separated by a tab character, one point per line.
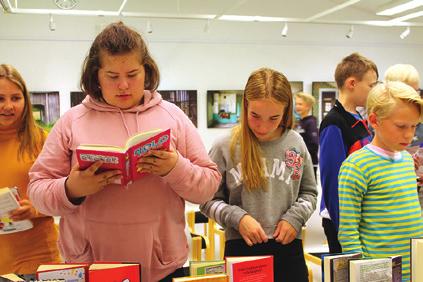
284	31
51	24
407	17
350	32
238	18
405	33
401	8
149	27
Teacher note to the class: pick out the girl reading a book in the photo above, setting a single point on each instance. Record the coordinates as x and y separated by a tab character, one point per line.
20	142
100	220
268	190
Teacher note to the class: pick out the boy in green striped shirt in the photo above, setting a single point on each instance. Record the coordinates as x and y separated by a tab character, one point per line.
378	202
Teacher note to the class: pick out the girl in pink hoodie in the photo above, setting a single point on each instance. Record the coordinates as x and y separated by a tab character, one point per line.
100	221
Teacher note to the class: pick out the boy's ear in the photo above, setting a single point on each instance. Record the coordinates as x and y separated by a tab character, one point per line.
372	118
350	83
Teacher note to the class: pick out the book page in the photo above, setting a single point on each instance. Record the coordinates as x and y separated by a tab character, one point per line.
8	202
137	138
102	148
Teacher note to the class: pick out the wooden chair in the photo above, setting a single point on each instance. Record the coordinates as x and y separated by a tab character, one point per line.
206	240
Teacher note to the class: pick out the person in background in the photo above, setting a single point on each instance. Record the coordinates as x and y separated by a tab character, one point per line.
408	74
101	221
343	131
268	190
307	125
378	203
21	141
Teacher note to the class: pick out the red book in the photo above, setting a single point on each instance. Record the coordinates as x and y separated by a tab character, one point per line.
124	158
115	272
76	272
250	268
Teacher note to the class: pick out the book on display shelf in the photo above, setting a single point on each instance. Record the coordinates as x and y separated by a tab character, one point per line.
416	259
111	272
69	272
250	268
335	266
206	267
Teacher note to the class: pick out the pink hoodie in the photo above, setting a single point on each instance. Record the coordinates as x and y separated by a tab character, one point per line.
144	223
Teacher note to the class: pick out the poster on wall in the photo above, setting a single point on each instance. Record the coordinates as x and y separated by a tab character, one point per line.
184	99
296	86
45	107
76	98
326	94
223	108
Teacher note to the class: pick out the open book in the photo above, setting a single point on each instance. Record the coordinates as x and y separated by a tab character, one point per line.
124	158
9	201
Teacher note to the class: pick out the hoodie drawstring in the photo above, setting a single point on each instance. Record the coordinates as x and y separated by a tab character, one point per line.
124	123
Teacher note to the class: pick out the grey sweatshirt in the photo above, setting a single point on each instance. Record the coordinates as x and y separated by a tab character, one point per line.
291	193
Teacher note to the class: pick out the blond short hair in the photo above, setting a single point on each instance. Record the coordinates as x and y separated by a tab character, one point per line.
307	98
384	97
403	72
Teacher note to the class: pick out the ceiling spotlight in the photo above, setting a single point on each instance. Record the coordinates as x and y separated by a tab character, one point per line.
149	27
51	24
350	32
284	31
405	33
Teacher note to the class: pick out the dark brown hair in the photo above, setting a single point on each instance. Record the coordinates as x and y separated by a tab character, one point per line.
117	39
354	65
31	136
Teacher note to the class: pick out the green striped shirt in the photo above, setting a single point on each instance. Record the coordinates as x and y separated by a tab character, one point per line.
378	205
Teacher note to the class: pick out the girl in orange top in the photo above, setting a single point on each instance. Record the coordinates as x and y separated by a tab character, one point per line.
20	142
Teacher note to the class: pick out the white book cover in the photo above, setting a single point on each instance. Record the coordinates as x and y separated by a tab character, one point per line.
8	202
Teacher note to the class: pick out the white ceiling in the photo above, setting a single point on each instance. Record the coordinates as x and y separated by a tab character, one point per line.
312	11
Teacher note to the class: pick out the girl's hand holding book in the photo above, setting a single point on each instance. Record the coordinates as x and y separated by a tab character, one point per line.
81	183
25	211
158	162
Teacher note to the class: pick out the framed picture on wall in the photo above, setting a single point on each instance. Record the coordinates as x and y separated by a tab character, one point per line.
45	107
223	108
184	99
326	94
296	86
76	98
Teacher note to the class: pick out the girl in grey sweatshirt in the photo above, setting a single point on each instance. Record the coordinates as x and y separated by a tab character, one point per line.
268	189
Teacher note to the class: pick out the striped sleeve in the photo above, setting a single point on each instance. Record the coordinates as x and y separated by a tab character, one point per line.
352	187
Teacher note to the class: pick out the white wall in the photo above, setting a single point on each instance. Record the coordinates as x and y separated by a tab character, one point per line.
192	59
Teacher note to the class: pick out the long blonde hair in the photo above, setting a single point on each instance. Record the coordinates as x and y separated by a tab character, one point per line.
31	136
263	83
